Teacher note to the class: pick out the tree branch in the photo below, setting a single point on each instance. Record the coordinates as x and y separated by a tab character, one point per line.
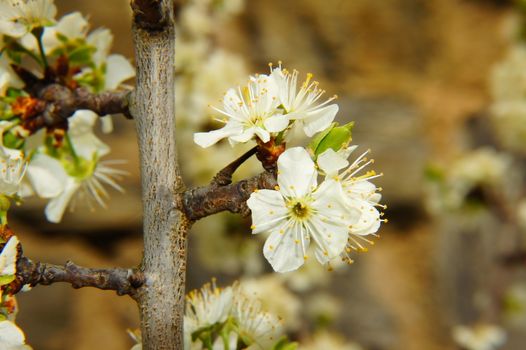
204	201
224	177
123	281
55	103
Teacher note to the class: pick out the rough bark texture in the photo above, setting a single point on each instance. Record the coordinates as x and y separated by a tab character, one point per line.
123	281
161	299
204	201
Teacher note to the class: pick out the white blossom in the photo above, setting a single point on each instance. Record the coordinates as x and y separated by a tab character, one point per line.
250	111
299	211
265	289
12	337
207	306
8	257
324	340
258	329
64	184
8	77
116	68
72	26
359	193
479	337
12	169
302	103
19	17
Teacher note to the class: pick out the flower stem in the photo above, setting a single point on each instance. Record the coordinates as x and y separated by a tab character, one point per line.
37	33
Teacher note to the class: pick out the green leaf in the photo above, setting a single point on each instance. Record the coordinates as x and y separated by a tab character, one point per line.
434	173
6	279
285	344
81	55
13	141
62	38
335	137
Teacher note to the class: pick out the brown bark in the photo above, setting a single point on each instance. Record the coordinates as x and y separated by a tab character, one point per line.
123	281
205	201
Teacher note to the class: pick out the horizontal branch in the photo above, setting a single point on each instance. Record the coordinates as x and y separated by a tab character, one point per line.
205	201
56	103
123	281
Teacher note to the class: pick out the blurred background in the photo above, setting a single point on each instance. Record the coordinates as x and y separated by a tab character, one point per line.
437	89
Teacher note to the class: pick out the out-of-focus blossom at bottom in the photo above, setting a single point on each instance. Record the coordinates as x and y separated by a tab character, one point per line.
287	306
479	337
11	337
328	341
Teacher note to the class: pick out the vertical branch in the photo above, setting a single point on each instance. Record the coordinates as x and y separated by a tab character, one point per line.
161	300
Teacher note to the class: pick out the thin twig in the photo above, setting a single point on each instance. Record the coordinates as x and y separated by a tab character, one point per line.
224	177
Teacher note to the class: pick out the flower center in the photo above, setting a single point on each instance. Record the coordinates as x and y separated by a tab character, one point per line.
300	209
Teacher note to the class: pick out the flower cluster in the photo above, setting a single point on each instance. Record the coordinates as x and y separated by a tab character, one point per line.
62	162
336	215
268	106
226	318
11	337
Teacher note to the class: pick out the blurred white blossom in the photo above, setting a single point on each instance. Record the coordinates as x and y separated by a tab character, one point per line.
479	337
508	88
11	337
8	257
324	340
63	181
258	329
287	306
19	17
482	167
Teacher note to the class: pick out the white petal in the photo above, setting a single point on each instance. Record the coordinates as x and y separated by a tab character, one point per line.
268	210
284	251
276	123
296	173
207	139
72	25
11	337
245	135
101	39
262	134
56	207
346	152
82	121
12	29
8	257
118	69
331	162
107	124
369	220
84	141
88	145
46	175
330	225
319	119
